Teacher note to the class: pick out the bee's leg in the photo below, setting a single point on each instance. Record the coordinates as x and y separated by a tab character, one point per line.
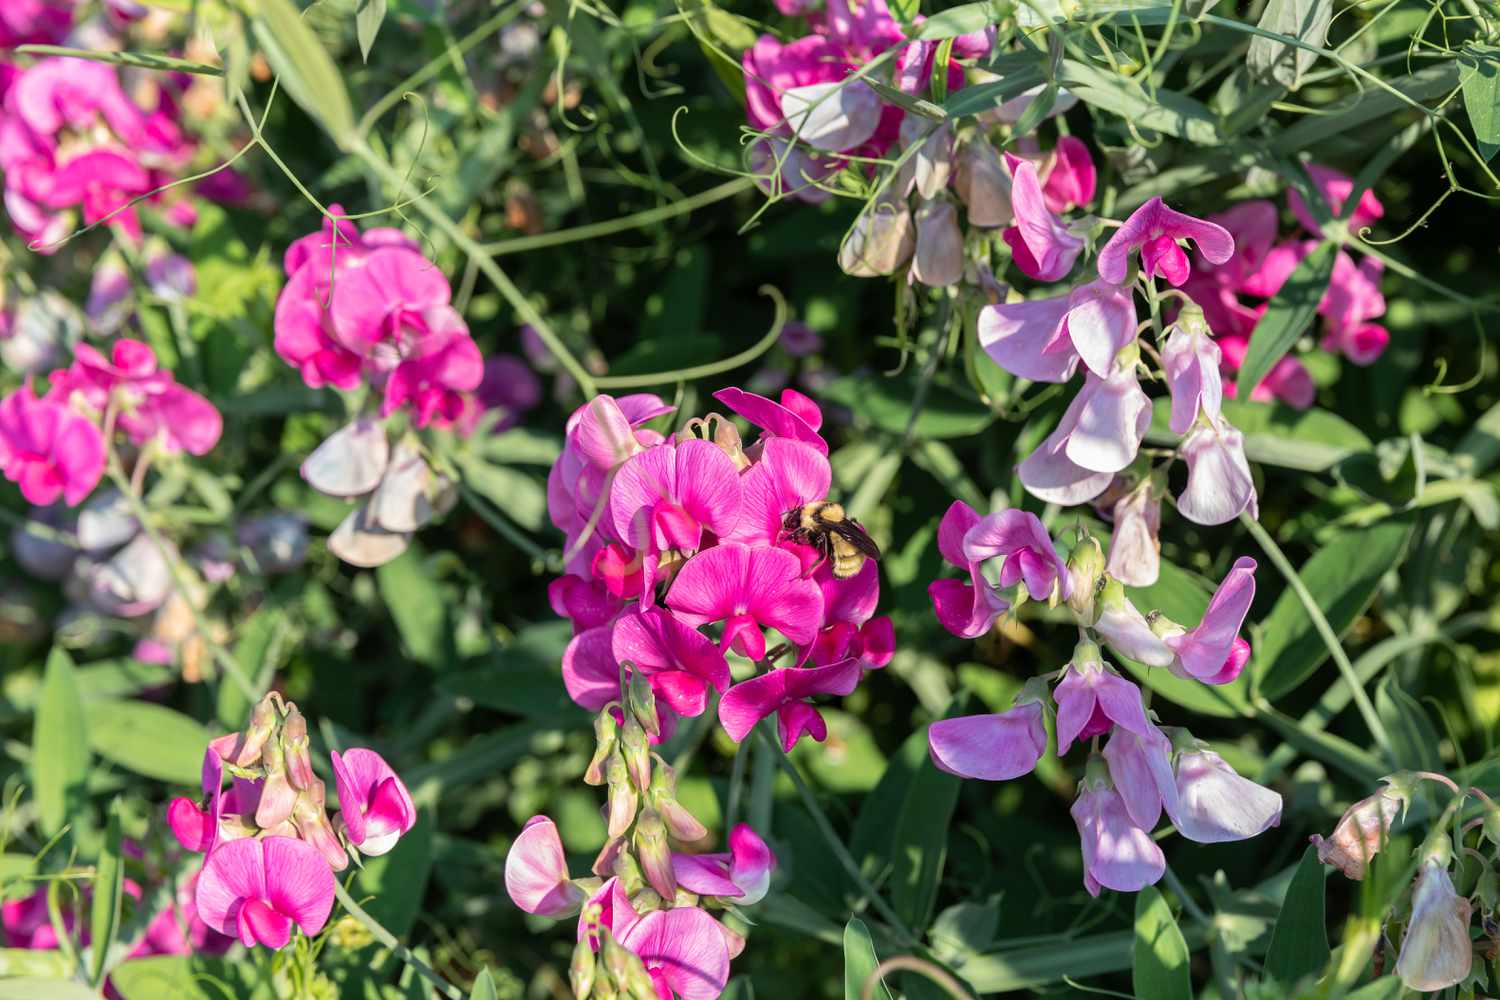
823	549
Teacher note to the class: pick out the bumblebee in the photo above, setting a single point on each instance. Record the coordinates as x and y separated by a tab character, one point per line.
833	533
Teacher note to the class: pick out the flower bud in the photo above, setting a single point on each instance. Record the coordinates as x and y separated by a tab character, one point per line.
1361	832
310	816
648	900
637	752
294	745
663	798
607	860
984	185
605	731
1086	570
734	941
581	970
640	703
939	258
655	853
244	749
622	795
881	239
632	880
277	796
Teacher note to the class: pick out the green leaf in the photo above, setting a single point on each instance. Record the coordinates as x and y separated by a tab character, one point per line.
984	97
1163	111
147	739
520	497
1414	739
1288	315
722	36
1299	942
1182	597
484	986
251	651
920	844
416	603
1310	440
886	403
1480	72
184	977
1305	20
860	961
44	989
957	21
304	66
367	21
1384	988
1342	576
1368	105
34	963
1160	967
398	879
523	678
104	911
59	745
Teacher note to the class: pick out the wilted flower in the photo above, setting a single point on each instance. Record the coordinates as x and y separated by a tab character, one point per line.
1436	952
1362	831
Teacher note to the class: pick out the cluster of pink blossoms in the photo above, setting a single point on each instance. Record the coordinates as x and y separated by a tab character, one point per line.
1235	293
53	446
667	535
71	138
654	921
270	848
1144	769
366	308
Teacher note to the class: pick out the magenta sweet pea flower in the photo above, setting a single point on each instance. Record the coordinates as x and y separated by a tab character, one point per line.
197	829
1288	380
1335	187
1071	179
439	370
536	872
392	294
152	406
969	608
796	416
1352	300
1213	652
1117	854
990	747
256	889
49	451
1044	339
785	690
788	475
1219	486
586	603
1019	539
30	22
748	589
683	951
1042	246
1091	699
680	662
374	804
1154	229
1213	804
742	874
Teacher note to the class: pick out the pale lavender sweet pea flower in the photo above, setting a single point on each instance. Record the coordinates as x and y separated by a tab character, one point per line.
1140	765
1154	229
1219	486
1213	804
994	747
1121	624
1117	854
1092	698
1213	652
1190	360
536	872
1134	547
1108	419
1044	339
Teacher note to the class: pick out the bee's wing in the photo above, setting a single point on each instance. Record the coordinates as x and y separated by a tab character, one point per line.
851	532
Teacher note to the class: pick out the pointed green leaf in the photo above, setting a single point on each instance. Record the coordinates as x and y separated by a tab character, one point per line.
860	961
148	739
44	989
1299	942
1160	968
1306	21
104	911
484	987
1414	739
1288	315
416	603
1479	66
304	67
59	745
1342	577
367	21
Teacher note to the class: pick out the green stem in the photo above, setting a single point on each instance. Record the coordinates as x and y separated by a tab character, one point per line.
1320	622
141	60
749	354
835	843
398	949
511	533
624	223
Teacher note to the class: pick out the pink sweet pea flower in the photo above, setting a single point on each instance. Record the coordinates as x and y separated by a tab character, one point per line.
796	417
1071	180
586	603
152	406
742	874
31	22
374	804
683	951
1042	246
1154	229
1140	767
1219	486
969	608
785	690
439	369
990	747
788	475
1335	188
1100	434
748	589
49	451
390	296
536	872
680	662
1117	854
198	829
590	672
615	912
1092	698
1019	539
666	497
1044	339
256	889
1353	298
1213	804
1122	625
864	28
1213	652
